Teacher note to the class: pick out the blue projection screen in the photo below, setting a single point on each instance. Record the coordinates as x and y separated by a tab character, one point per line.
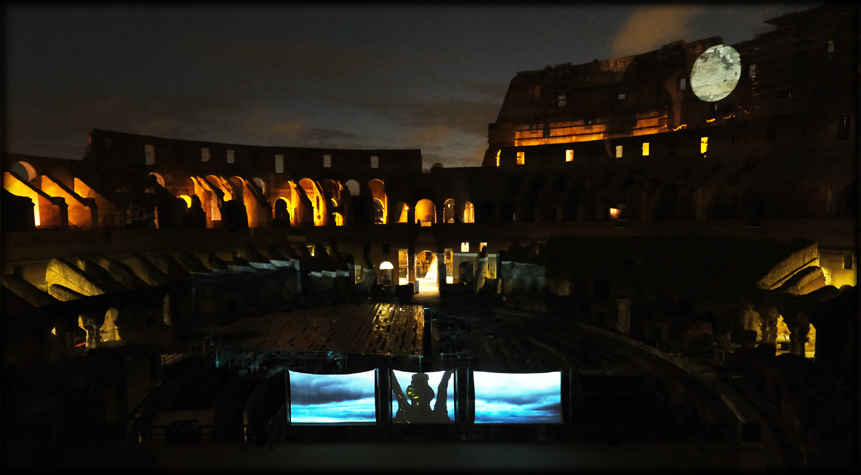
416	397
513	398
331	398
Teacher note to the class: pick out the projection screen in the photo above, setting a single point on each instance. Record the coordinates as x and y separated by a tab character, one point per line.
518	398
422	398
332	398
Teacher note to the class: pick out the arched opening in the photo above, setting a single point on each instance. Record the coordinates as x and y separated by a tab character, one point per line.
402	211
339	219
108	331
448	211
810	346
353	186
314	195
158	178
281	212
427	271
187	200
379	212
24	171
425	212
386	267
468	212
381	202
261	185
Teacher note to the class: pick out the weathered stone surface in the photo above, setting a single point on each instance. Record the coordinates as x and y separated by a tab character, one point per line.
122	273
804	281
167	264
146	270
27	291
99	275
62	293
191	262
69	276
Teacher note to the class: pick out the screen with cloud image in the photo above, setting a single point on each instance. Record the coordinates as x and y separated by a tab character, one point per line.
416	397
518	398
329	398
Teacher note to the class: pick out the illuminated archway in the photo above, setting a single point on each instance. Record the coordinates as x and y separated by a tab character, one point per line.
339	219
282	212
386	267
448	211
381	201
353	186
427	271
468	212
425	212
313	193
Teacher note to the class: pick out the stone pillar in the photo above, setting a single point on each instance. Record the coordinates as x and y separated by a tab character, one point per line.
90	326
411	257
440	265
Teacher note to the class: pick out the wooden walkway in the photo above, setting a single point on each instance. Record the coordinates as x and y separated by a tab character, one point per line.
368	329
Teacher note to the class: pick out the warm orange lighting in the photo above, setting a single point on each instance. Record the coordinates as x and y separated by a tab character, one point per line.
704	144
569	155
683	126
339	219
710	120
497	157
187	200
521	158
614	213
14	185
645	149
468	213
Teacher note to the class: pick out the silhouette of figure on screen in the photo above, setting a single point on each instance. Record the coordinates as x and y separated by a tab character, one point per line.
414	407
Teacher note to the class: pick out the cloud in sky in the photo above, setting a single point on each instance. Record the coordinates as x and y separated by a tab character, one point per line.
648	28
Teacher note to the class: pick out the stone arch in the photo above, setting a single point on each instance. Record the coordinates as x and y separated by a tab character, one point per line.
425	212
108	331
158	178
281	212
448	211
315	196
353	186
468	215
386	269
260	184
380	200
24	171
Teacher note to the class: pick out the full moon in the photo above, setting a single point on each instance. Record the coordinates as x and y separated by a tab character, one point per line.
715	73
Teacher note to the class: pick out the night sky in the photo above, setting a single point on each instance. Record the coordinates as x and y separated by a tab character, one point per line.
425	77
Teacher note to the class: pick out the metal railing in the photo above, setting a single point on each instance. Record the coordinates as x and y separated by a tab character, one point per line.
538	433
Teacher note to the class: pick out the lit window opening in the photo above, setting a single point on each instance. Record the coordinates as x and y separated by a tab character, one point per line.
618	151
464	247
231	156
204	155
521	158
569	155
645	149
704	145
497	157
327	161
